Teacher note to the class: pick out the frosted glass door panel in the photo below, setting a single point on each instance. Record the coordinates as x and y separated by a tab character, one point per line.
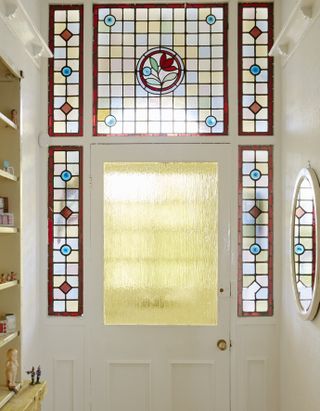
160	243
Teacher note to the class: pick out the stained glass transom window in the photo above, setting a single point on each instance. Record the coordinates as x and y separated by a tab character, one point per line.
65	231
161	243
160	69
65	71
305	243
255	27
255	230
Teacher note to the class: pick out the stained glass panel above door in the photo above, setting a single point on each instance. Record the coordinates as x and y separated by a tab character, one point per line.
160	70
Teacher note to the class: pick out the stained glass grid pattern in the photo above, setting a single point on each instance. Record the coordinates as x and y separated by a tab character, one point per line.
255	231
160	69
66	71
255	71
305	243
65	231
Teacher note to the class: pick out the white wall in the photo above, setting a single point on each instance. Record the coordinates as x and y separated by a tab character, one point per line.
300	340
13	51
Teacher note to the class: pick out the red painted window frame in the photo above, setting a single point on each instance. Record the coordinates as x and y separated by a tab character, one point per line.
52	9
96	7
51	152
270	310
270	7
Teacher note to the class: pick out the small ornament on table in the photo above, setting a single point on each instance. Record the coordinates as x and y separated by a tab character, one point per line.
38	374
6	165
32	375
14	116
12	369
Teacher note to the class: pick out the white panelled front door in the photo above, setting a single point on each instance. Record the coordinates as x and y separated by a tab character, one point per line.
158	367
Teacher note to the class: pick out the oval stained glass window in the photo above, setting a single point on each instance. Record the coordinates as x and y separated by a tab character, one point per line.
305	243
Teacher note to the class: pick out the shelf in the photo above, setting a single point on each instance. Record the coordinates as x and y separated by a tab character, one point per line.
303	15
8	230
7	121
8	284
4	340
5	396
8	176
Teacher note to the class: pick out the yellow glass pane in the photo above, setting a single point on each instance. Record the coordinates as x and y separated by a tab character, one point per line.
160	243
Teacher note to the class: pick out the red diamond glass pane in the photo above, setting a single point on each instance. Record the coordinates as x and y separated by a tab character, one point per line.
65	291
255	231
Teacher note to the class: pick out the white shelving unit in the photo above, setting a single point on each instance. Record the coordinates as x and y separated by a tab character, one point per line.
10	298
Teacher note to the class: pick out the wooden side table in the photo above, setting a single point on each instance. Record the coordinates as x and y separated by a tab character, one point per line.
28	398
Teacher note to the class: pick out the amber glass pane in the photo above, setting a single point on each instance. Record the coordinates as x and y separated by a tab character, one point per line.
160	243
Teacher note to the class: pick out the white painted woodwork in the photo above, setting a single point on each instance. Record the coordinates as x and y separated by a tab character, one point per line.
159	367
299	340
64	385
81	341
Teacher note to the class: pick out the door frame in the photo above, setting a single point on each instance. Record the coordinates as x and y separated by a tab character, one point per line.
170	152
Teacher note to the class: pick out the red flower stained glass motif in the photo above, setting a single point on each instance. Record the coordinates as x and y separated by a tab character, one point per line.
160	71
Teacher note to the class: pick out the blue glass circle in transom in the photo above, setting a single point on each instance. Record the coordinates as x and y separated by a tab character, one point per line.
66	71
255	249
146	71
211	121
255	174
66	175
255	69
65	249
211	19
299	249
110	121
109	20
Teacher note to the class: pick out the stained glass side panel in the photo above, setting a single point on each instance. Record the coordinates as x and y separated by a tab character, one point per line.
160	69
65	231
66	71
255	27
255	231
160	243
305	243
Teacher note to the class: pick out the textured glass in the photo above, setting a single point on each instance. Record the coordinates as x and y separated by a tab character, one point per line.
160	243
65	70
160	69
255	68
65	231
305	243
255	230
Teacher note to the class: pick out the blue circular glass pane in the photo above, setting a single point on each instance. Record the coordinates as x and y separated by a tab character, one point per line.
66	175
147	71
110	121
65	249
255	174
255	69
211	121
66	71
299	249
211	19
109	20
255	249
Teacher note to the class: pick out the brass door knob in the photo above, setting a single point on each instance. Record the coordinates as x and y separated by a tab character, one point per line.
222	345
